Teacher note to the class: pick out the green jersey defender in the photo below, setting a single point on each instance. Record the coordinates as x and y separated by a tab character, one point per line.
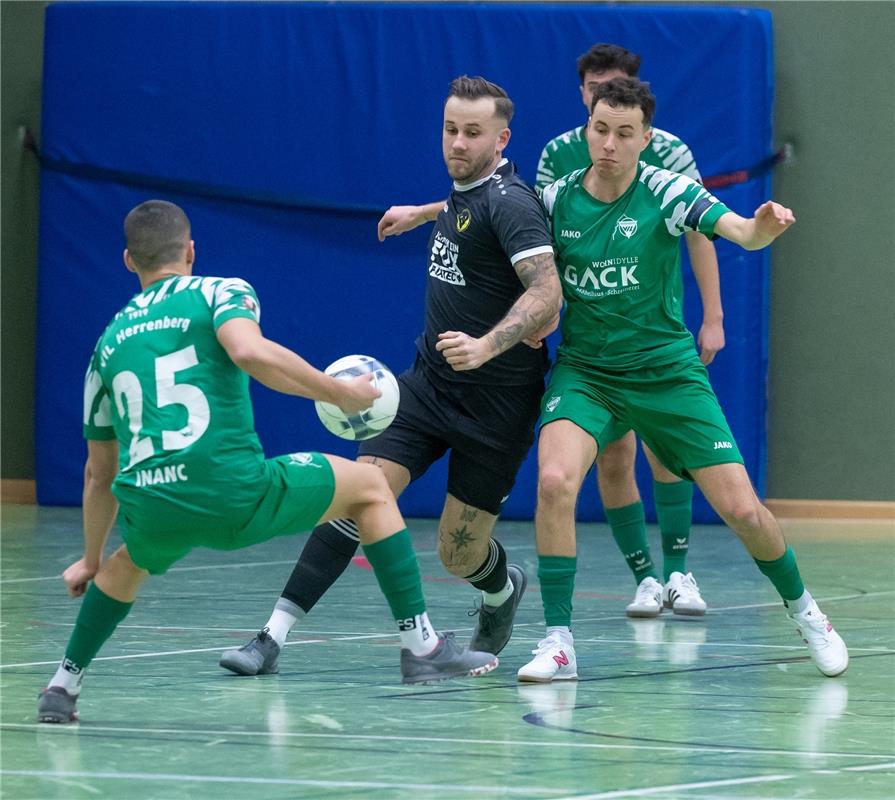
568	152
192	470
619	266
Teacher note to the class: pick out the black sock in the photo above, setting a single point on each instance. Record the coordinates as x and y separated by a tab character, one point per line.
325	556
491	576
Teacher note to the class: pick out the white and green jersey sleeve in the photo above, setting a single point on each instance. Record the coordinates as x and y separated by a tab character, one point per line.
619	265
568	152
162	385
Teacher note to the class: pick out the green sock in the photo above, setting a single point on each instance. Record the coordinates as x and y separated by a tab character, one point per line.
97	620
557	577
674	509
398	573
784	574
628	525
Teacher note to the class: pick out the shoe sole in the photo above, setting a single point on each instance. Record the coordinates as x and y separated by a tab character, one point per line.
463	673
686	612
549	679
484	648
638	614
56	717
239	669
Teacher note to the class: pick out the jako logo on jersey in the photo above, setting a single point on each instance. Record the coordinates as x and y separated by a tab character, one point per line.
723	445
463	220
607	277
553	402
569	234
626	226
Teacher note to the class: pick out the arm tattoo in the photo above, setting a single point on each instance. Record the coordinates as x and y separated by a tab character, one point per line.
535	307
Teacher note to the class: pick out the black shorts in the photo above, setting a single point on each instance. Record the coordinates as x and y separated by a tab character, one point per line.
488	430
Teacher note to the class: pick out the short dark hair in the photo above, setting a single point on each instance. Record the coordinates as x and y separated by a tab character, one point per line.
627	93
467	88
606	57
157	233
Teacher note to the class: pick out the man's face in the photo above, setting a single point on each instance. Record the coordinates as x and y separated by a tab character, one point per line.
473	138
615	138
593	79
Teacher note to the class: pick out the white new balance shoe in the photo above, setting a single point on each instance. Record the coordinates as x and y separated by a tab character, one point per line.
828	651
681	595
554	660
647	600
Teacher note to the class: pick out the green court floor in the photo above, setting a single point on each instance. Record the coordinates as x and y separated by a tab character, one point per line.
727	706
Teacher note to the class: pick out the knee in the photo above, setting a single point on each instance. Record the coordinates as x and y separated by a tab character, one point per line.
371	487
461	557
556	486
616	461
742	513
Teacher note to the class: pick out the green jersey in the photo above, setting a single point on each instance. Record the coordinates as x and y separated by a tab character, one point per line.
619	265
162	385
568	152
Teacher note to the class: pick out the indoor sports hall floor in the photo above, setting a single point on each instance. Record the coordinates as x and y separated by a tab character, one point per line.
724	707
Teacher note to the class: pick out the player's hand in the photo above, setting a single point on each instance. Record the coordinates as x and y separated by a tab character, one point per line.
771	219
461	351
77	576
536	340
710	340
359	394
398	220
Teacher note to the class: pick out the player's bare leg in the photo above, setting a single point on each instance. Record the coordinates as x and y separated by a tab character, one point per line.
728	488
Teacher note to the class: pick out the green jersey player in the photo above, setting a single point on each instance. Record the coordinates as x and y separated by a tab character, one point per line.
171	441
615	466
627	360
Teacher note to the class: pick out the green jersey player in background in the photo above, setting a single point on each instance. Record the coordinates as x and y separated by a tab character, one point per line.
615	466
627	361
171	442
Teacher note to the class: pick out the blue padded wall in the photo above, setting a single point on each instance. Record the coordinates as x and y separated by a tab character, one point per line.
320	116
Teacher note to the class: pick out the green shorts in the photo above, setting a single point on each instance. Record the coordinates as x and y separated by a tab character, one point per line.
672	408
299	489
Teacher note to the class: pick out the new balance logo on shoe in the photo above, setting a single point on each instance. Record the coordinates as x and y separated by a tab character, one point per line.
561	659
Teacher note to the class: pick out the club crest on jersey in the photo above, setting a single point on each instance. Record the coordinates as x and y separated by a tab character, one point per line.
626	226
553	402
463	220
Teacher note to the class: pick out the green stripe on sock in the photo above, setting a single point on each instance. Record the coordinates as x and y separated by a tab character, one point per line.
784	574
557	577
674	510
398	573
97	620
628	525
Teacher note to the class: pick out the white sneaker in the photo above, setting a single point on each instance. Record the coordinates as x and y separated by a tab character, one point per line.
828	651
647	600
681	595
554	660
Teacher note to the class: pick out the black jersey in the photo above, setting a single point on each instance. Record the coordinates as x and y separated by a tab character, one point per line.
482	231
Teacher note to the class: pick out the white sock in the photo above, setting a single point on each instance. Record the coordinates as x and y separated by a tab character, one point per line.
800	605
495	599
285	615
561	632
418	635
69	677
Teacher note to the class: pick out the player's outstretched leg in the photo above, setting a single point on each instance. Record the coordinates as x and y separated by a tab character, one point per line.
362	494
99	615
728	489
325	556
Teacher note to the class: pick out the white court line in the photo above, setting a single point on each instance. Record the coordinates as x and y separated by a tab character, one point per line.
149	776
226	566
868	767
677	786
217	733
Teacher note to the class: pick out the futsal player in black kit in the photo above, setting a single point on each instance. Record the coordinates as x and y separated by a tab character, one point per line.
475	387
